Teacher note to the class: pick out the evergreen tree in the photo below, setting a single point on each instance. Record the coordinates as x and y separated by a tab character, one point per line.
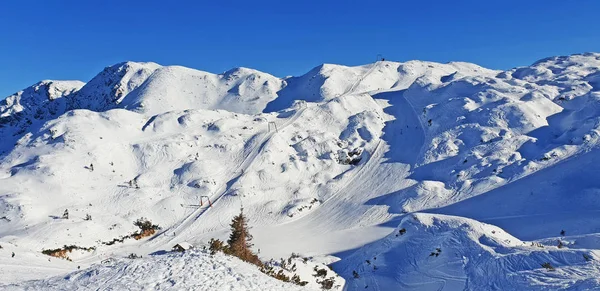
240	238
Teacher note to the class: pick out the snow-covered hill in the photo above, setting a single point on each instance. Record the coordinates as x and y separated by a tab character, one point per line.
189	271
438	252
326	164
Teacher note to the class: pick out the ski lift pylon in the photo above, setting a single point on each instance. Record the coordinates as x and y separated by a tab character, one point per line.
207	199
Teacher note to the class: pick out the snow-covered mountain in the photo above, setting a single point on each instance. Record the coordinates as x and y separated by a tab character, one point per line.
493	168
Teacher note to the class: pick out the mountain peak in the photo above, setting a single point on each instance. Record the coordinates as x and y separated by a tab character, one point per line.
109	87
38	97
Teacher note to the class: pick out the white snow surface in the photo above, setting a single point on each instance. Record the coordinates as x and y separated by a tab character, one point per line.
187	271
488	166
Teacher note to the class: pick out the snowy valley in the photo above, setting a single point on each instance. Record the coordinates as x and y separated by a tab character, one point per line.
398	176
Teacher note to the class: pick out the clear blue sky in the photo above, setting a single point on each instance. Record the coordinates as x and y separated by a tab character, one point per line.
53	39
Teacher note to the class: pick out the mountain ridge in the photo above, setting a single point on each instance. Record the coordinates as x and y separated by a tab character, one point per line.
334	162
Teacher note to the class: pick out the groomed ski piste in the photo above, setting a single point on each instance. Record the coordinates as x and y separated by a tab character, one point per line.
399	176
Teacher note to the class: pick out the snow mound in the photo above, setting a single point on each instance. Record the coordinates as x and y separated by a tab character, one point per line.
438	252
239	90
186	271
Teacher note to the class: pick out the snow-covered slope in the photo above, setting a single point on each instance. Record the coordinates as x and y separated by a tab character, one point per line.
324	164
188	271
438	252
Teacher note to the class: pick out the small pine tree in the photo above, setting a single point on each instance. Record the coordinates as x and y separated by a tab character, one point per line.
239	240
66	214
548	266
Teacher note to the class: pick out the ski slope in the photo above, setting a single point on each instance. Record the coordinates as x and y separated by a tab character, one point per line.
488	166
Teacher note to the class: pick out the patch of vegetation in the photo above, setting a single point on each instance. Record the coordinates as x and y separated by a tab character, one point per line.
309	206
548	266
537	244
134	256
321	275
146	229
401	232
62	252
437	252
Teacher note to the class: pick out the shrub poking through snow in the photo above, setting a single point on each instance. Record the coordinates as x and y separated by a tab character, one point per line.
437	252
88	217
548	266
62	252
66	214
296	280
216	245
326	283
320	272
116	240
146	228
133	256
401	232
